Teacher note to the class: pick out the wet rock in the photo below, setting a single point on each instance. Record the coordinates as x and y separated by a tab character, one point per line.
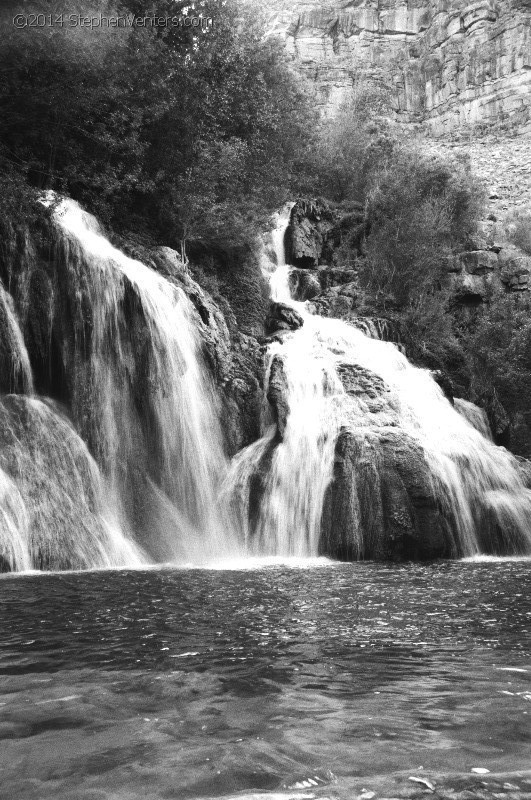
278	336
282	317
311	223
524	466
277	393
242	393
443	380
361	382
39	334
381	503
55	494
337	301
499	421
304	285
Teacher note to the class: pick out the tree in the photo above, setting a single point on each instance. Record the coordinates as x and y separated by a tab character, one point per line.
187	135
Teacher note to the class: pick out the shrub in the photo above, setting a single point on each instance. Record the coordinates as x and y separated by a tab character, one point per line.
518	228
500	350
419	209
345	151
427	331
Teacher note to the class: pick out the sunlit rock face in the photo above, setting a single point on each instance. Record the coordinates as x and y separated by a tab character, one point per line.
445	62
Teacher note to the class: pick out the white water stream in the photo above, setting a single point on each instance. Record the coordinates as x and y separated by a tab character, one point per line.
470	475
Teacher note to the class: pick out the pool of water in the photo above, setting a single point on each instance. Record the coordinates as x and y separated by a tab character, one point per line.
278	680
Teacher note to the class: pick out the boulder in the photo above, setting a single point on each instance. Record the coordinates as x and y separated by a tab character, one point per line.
337	301
479	262
499	421
381	503
311	223
515	267
282	317
304	285
524	467
470	289
335	276
443	380
277	393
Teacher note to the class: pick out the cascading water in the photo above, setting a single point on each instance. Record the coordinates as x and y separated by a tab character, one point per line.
125	358
363	442
14	360
152	408
281	486
301	465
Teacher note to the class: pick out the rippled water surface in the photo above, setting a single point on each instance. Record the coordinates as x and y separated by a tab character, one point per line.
318	680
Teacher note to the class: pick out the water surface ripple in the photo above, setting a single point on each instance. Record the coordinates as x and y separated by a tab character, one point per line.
320	681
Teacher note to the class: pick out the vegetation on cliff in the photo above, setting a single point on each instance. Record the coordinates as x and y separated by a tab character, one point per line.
191	133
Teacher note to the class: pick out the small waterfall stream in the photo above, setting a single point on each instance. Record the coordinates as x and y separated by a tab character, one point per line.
289	521
476	484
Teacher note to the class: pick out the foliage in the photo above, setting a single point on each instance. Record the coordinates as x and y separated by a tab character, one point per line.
427	331
518	228
419	209
192	133
346	150
500	350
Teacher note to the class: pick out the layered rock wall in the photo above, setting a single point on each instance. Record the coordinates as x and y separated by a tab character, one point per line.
444	62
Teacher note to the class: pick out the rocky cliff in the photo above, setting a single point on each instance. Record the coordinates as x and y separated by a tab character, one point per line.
447	63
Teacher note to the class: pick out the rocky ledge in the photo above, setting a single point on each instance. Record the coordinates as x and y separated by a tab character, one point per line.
446	63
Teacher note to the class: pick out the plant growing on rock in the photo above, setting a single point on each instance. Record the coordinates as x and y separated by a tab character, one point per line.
419	209
499	355
518	227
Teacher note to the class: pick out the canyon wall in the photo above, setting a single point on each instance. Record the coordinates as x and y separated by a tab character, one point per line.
443	62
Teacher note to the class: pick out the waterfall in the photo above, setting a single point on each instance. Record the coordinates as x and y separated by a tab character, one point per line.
124	464
134	476
152	414
339	382
14	360
54	506
476	416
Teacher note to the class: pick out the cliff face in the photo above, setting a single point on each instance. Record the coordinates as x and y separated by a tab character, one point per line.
443	62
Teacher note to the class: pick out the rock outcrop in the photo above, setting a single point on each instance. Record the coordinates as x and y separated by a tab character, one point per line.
443	62
282	318
381	503
309	236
